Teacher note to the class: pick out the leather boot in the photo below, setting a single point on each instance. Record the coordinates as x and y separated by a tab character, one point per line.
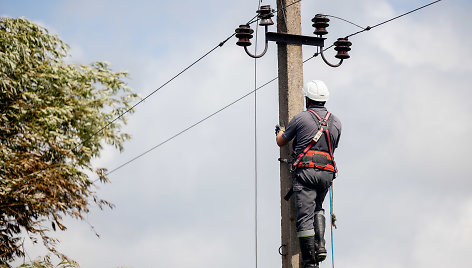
319	224
307	248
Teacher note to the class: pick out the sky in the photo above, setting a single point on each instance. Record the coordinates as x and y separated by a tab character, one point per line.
402	196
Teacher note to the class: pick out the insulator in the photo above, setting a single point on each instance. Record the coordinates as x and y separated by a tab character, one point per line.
320	22
244	33
342	46
265	15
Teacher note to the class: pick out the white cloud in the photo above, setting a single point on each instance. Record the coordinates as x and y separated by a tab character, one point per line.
179	248
195	193
412	41
444	239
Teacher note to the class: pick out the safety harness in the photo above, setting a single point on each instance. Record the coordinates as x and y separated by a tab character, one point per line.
317	159
314	158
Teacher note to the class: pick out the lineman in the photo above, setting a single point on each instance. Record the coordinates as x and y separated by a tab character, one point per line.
316	133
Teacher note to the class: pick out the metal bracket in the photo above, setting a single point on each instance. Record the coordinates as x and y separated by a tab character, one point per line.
281	249
293	39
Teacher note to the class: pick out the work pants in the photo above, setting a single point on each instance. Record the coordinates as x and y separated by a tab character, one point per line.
310	186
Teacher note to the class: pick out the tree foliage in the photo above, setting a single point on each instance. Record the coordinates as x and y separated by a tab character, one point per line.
45	263
51	116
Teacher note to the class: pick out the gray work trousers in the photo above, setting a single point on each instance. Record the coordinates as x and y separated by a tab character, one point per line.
310	187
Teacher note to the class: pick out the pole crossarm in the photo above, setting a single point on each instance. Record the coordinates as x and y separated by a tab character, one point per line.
294	39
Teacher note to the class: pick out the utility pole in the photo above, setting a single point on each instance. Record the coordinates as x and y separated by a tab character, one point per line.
290	103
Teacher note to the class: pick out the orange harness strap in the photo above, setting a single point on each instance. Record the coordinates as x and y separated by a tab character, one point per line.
318	159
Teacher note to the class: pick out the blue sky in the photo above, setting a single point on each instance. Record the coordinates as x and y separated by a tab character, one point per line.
402	197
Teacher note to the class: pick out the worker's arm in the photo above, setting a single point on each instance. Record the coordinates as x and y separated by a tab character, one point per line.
284	136
280	140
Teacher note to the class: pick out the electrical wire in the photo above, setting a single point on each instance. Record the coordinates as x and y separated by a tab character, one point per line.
287	6
178	134
163	85
249	93
345	21
255	144
177	75
368	28
191	126
276	11
318	53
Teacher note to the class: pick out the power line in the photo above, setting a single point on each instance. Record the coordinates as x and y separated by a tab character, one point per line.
368	28
345	21
163	85
255	145
177	75
174	77
170	80
192	126
249	93
275	11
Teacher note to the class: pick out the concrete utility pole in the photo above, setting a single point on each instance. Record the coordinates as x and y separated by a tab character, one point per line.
290	103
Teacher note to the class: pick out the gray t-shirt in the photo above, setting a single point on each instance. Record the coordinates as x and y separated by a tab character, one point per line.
304	126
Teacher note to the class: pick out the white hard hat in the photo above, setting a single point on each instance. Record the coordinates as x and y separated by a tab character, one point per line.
316	90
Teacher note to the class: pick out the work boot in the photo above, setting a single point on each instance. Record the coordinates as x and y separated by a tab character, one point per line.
319	224
307	248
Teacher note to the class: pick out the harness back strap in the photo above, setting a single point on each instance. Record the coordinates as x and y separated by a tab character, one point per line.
321	128
331	150
323	122
331	165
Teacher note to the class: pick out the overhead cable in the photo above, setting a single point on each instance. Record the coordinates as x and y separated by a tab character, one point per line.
254	19
255	144
191	126
163	85
220	44
275	11
249	93
345	20
368	28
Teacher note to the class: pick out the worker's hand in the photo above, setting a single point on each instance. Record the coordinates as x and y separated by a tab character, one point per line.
279	128
279	138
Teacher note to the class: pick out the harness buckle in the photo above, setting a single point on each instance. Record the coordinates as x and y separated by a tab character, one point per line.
318	135
323	122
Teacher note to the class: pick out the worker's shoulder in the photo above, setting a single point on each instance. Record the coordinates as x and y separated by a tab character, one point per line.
303	115
300	119
336	121
334	117
307	115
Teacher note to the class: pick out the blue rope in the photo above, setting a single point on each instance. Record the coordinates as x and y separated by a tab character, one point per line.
331	223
